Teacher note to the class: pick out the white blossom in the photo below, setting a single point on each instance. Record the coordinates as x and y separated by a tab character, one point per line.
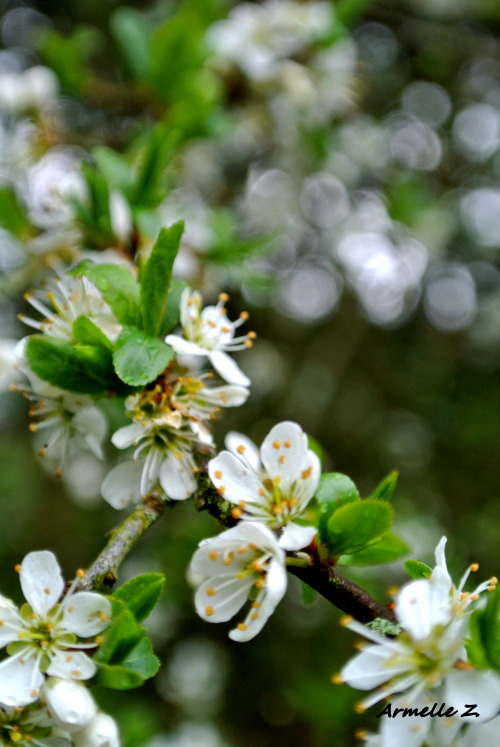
208	332
245	562
71	705
42	637
102	731
29	726
277	492
427	661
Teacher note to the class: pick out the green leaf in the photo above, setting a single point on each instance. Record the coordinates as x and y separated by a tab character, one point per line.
86	332
117	677
385	489
130	29
416	569
141	593
97	362
387	550
172	308
355	525
141	659
12	215
114	166
61	365
150	182
484	644
117	286
138	358
334	490
156	275
120	637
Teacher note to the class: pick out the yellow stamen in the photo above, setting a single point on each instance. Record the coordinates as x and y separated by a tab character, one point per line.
241	626
211	591
474	567
209	611
276	444
240	449
336	679
306	473
236	513
218	474
345	620
213	555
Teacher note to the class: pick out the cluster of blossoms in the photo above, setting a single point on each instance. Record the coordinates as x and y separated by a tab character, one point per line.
426	664
42	690
269	491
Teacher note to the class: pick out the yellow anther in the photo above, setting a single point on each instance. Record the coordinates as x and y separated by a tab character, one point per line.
345	620
306	473
474	567
1	623
282	459
493	580
41	453
58	473
32	427
221	490
242	626
287	444
68	658
211	323
252	335
240	449
242	550
276	444
227	330
361	734
474	597
190	302
178	454
80	573
102	617
22	661
211	592
464	595
237	513
460	664
46	591
229	558
254	615
241	575
76	673
209	611
336	679
18	568
256	605
393	590
213	555
244	315
218	474
359	708
34	693
223	297
260	583
248	343
242	505
262	491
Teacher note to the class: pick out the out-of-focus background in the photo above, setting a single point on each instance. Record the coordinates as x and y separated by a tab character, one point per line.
337	165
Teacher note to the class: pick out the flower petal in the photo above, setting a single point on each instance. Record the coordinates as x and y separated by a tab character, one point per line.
243	448
71	704
227	368
236	481
101	732
286	440
41	580
176	477
71	665
91	423
121	487
10	622
294	537
219	599
474	686
420	605
405	731
86	613
20	683
271	595
185	347
128	435
371	668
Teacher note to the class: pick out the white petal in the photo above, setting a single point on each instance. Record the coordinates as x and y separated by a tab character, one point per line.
273	449
464	687
307	480
11	622
128	435
86	613
295	537
71	665
41	580
101	732
408	731
229	395
227	368
121	487
371	668
272	593
237	480
20	683
185	347
420	605
71	704
481	735
92	424
219	598
176	477
244	534
249	453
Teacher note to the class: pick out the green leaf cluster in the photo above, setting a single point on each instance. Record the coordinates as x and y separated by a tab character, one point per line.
483	648
125	659
356	531
147	309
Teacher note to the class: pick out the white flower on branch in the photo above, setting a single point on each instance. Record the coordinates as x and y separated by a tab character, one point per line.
245	562
42	636
427	661
63	300
276	492
208	332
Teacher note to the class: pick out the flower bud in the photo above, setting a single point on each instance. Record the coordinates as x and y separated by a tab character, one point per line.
101	732
71	705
